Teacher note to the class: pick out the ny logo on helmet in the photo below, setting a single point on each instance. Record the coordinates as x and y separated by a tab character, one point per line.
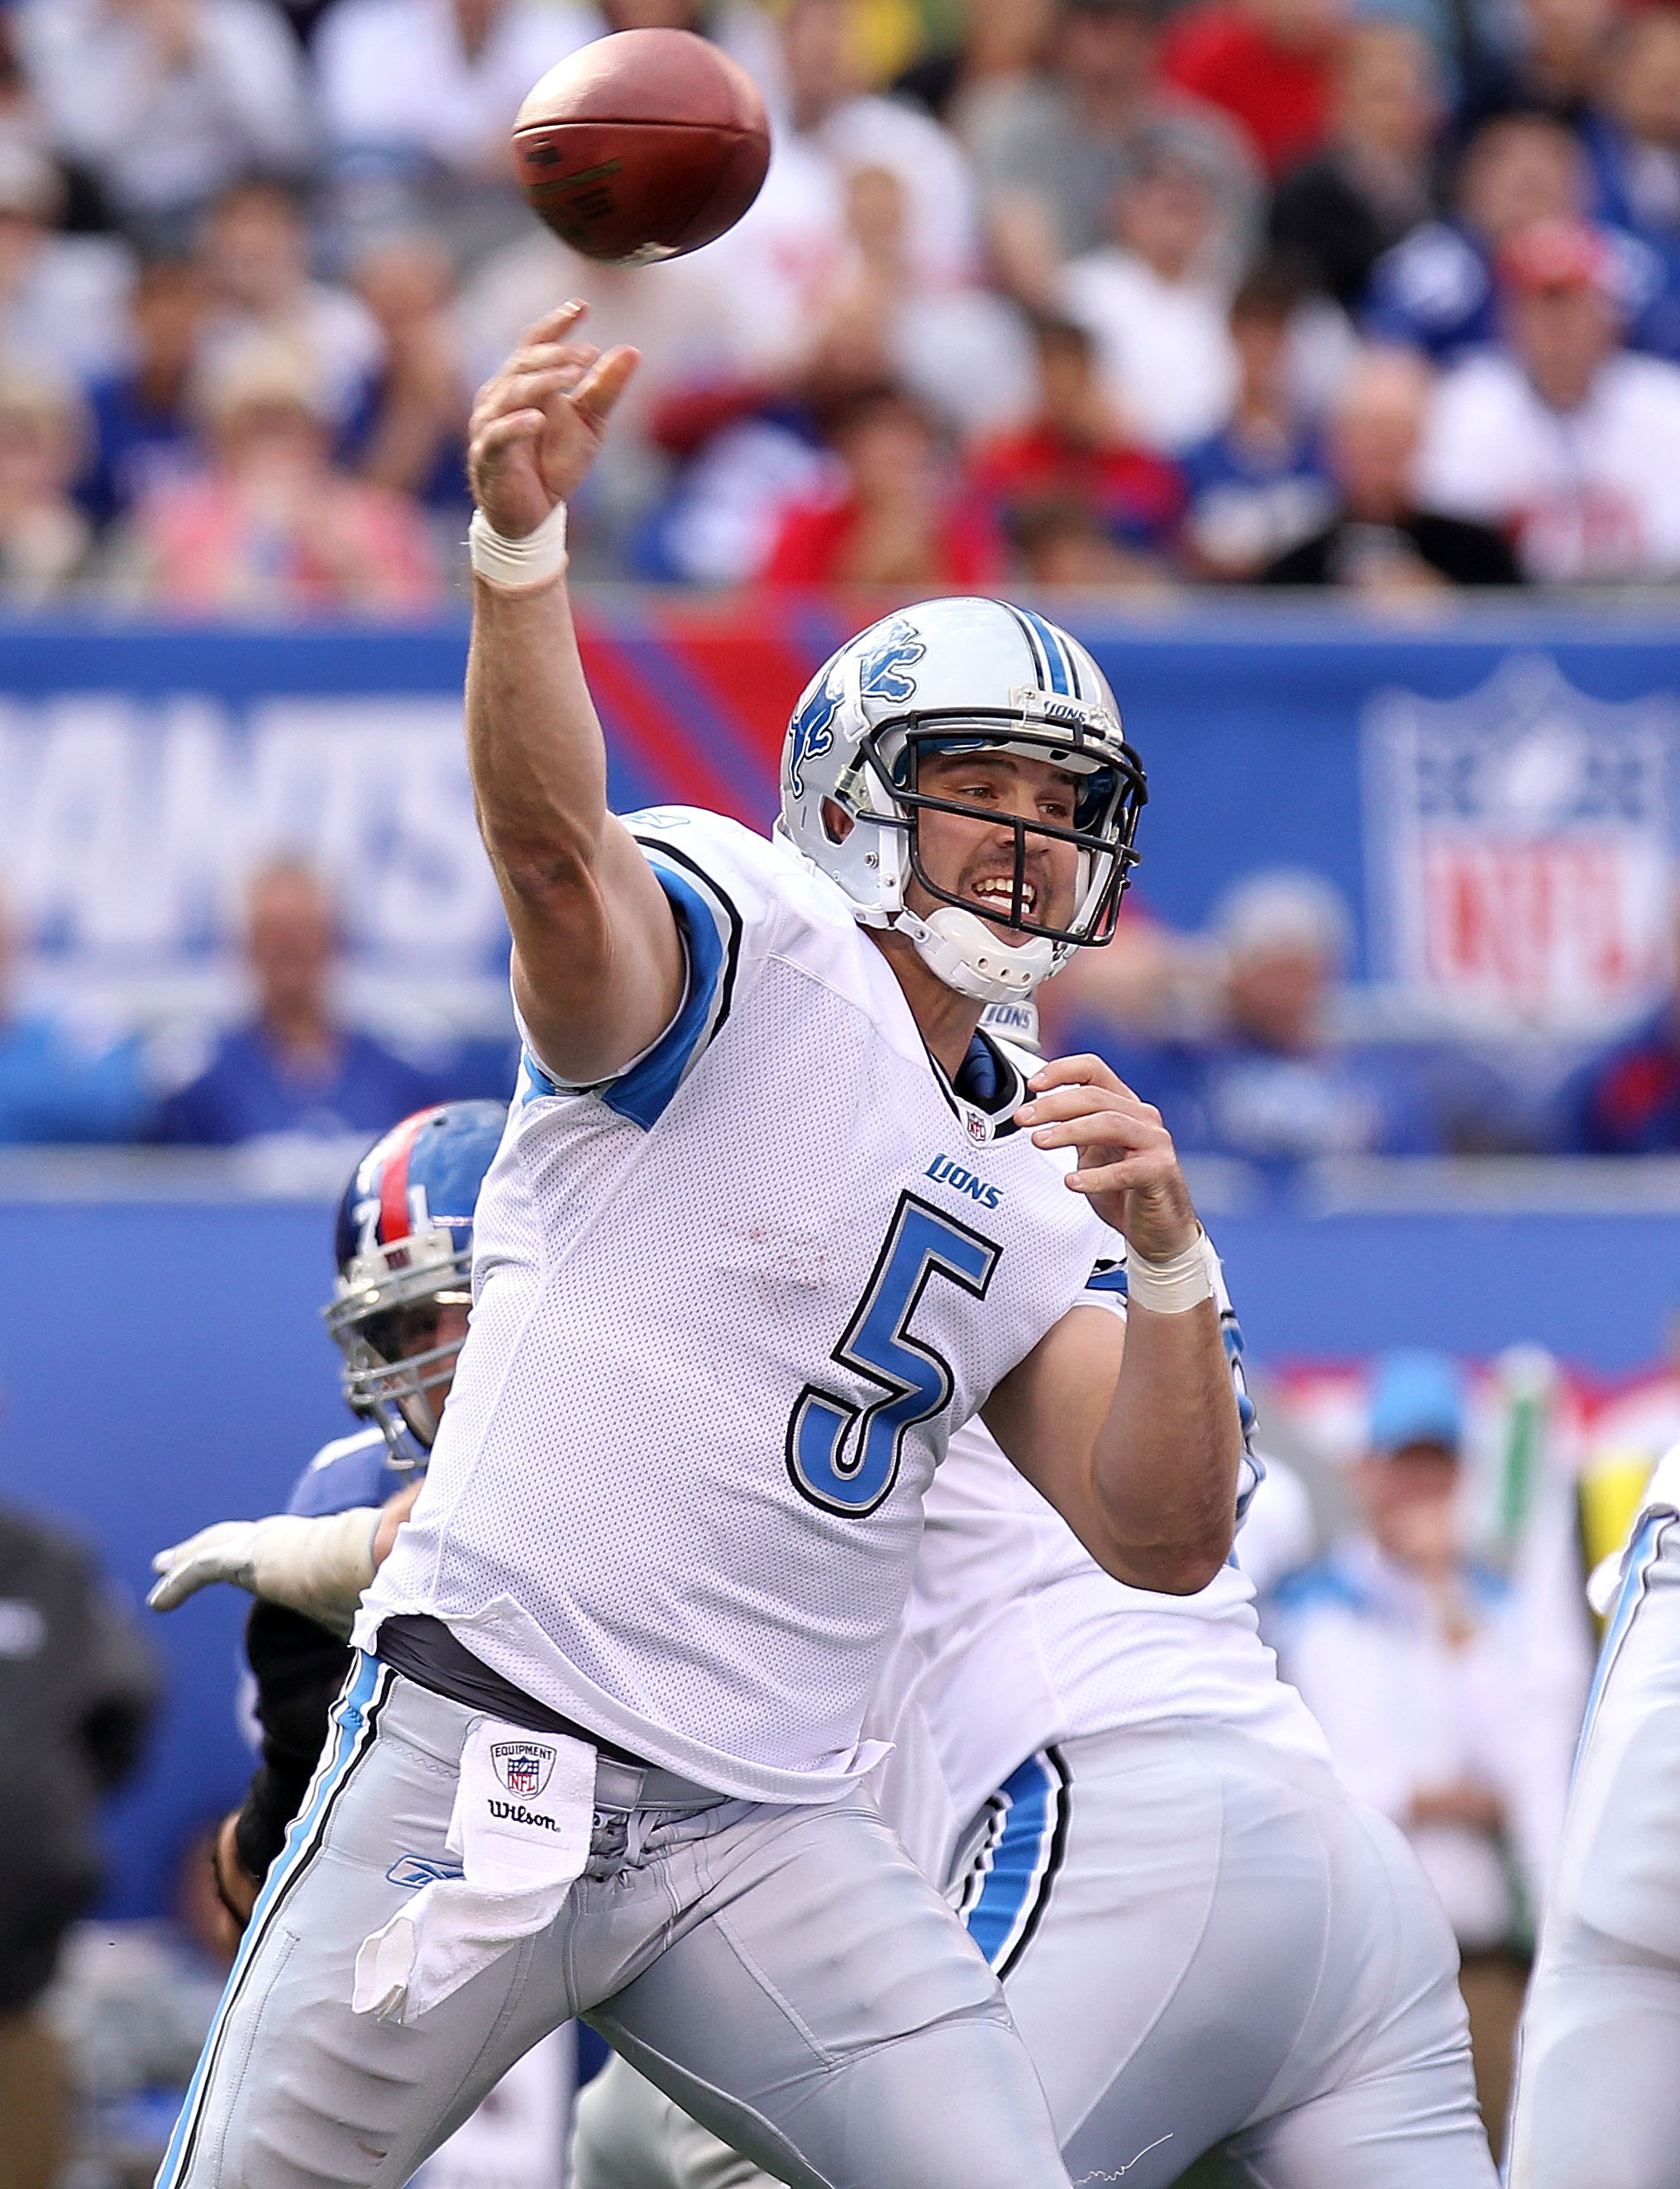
812	731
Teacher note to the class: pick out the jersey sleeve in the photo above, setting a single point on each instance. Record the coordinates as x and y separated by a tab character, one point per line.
1106	1289
730	892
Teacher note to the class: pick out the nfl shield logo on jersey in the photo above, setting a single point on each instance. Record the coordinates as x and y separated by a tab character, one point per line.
521	1766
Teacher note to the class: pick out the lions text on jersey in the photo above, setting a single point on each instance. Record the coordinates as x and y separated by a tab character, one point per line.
729	1307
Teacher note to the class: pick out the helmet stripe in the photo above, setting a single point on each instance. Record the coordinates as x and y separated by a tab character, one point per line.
1035	651
1054	652
393	1180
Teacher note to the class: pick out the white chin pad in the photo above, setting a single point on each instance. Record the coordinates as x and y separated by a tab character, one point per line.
965	954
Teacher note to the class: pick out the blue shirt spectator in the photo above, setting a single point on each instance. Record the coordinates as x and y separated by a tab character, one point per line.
1252	499
52	1090
1241	1097
1632	137
1626	1102
294	1068
143	434
1435	292
252	1089
1271	1086
407	425
1258	487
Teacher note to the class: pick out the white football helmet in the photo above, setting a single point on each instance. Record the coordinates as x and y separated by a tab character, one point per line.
949	676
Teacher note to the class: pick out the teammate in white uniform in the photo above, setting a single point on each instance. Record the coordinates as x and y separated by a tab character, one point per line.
1597	2099
1204	1941
771	1219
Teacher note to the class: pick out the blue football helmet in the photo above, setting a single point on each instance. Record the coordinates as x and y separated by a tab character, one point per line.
403	1243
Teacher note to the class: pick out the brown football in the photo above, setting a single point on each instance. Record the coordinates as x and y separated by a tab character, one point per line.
642	146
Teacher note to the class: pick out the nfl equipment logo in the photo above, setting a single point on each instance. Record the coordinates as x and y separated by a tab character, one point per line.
521	1766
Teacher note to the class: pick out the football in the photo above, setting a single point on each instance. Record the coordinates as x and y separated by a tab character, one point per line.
642	146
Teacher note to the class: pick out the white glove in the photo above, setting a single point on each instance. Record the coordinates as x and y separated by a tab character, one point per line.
318	1567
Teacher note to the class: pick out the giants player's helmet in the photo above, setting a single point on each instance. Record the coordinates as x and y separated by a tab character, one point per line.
404	1247
948	676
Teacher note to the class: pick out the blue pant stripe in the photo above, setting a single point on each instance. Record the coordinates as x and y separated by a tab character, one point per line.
353	1721
1019	1860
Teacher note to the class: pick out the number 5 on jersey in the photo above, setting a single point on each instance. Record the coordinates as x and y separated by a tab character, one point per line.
845	1457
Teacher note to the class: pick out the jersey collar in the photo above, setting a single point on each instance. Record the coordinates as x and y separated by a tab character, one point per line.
987	1092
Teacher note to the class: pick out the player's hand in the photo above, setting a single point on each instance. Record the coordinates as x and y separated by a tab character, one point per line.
224	1552
318	1567
538	423
391	1515
1127	1165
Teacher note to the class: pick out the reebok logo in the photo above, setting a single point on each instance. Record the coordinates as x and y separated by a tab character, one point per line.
944	1172
516	1812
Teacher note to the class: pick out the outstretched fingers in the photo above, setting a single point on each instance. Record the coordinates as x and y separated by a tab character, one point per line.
555	325
601	387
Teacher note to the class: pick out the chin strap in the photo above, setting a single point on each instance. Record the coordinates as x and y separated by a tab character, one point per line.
962	950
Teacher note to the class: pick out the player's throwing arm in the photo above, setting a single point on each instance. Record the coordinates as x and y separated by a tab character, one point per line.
597	965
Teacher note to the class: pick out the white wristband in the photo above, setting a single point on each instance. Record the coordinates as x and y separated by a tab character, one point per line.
1174	1285
519	566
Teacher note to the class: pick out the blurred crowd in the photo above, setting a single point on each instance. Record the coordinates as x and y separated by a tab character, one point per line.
1379	294
293	1069
1245	1035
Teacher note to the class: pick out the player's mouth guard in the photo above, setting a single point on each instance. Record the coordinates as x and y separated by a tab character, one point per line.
524	1811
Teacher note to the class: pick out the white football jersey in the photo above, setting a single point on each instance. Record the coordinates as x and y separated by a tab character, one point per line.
1015	1639
728	1308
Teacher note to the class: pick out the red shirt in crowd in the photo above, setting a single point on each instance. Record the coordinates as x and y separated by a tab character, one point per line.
811	548
1138	496
1278	94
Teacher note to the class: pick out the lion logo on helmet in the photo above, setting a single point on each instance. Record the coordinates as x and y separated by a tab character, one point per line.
812	731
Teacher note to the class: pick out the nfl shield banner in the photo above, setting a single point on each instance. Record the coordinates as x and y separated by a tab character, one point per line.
1519	851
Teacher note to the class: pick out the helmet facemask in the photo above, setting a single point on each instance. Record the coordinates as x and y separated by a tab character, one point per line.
859	746
1107	800
886	791
376	1307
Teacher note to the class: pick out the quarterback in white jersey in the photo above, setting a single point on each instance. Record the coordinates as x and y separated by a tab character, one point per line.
1205	1943
771	1219
1597	2096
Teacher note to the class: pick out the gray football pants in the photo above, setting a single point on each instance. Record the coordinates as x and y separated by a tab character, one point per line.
1218	1950
1597	2099
787	1973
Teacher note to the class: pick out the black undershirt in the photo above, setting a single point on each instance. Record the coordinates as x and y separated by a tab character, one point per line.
423	1649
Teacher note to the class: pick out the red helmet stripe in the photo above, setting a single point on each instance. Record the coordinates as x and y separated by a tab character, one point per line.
394	1181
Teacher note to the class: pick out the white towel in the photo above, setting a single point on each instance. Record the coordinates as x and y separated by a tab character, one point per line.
524	1812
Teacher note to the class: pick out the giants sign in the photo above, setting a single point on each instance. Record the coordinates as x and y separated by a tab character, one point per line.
1519	851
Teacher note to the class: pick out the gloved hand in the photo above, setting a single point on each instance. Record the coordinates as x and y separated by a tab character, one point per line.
318	1567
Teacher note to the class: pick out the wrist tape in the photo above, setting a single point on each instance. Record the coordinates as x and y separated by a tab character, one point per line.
519	566
1176	1285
